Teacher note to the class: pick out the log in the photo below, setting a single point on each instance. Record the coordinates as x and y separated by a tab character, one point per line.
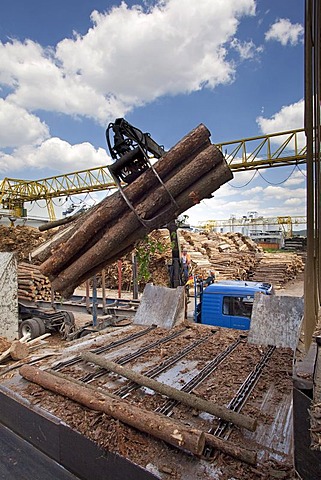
114	206
18	350
128	229
225	446
14	347
113	237
191	170
243	454
159	426
171	392
202	188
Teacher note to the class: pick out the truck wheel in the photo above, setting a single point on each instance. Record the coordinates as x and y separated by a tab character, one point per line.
42	326
29	326
68	325
69	318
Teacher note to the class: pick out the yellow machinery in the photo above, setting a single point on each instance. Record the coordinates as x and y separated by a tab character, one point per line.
286	223
246	154
15	193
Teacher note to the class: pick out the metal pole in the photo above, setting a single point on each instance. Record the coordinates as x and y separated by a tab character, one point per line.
94	301
87	296
103	289
119	264
135	279
311	290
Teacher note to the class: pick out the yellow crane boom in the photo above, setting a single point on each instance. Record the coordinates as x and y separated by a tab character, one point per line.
273	150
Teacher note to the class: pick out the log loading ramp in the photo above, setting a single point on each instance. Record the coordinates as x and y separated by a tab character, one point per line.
218	366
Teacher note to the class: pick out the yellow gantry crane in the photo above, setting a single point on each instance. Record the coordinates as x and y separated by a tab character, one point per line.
15	193
246	154
285	223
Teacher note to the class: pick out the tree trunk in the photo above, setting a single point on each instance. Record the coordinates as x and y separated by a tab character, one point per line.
18	350
171	392
114	206
159	426
243	454
191	171
129	229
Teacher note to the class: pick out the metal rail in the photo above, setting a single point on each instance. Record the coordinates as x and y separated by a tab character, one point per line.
224	428
110	346
153	372
272	150
130	356
168	406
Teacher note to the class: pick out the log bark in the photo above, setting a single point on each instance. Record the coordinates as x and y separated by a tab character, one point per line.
112	207
161	427
129	229
191	171
243	454
201	188
111	239
225	446
171	392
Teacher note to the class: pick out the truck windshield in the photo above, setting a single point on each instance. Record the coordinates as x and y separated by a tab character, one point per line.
238	306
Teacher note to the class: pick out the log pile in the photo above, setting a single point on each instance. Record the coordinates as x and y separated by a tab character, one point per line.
233	256
277	268
190	171
32	284
21	240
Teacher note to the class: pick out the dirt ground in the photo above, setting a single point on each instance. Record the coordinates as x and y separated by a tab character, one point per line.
294	288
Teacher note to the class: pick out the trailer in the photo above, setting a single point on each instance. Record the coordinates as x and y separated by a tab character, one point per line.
216	365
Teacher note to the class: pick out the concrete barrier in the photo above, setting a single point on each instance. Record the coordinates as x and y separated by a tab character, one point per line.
161	306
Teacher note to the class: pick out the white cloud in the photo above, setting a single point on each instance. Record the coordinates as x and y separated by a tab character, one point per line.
297	178
285	32
57	154
290	117
246	50
293	202
18	127
252	191
128	58
282	193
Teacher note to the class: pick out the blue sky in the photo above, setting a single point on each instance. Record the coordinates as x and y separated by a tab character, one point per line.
68	68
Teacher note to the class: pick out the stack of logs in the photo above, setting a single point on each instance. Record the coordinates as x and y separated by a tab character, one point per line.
191	171
278	268
32	284
231	255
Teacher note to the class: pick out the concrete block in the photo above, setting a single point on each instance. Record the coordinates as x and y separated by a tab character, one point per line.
276	320
161	306
8	296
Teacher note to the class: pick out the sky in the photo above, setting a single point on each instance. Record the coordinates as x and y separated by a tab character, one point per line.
68	68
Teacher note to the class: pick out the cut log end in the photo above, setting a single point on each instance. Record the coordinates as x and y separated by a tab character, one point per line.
18	350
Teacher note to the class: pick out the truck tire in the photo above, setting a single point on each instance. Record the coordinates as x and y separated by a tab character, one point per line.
29	326
69	318
42	326
68	325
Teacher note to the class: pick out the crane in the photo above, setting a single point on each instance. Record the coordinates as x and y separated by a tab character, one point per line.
284	222
245	154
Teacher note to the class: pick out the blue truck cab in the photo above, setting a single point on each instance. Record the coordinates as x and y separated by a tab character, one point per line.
228	303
